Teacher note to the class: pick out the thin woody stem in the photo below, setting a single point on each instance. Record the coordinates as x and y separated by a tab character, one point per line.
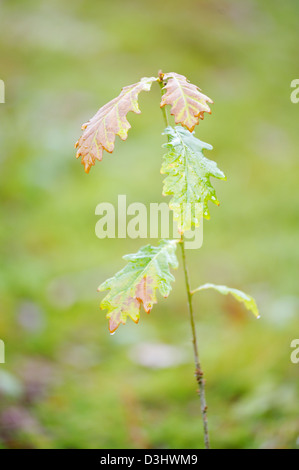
198	371
160	81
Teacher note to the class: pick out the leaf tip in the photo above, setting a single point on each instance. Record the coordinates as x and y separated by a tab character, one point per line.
112	327
136	320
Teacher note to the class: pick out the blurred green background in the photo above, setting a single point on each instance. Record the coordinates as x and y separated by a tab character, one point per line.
66	382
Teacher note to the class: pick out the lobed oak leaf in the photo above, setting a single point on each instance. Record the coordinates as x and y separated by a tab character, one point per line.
188	177
188	104
136	284
110	120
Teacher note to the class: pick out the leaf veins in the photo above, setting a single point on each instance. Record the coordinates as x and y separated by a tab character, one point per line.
188	104
111	120
136	284
188	177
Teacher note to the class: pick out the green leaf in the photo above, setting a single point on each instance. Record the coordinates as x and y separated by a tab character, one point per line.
239	295
136	284
188	177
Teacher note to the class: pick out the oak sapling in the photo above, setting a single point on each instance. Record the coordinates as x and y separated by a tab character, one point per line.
187	181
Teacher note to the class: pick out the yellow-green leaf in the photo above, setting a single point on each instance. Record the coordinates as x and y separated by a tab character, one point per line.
136	284
188	177
239	295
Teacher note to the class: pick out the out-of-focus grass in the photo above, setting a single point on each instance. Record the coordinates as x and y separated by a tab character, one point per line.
66	381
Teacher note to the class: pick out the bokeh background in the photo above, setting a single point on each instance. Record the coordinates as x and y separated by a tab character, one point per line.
66	382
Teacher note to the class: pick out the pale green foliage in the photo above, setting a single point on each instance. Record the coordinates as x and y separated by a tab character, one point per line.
239	295
136	284
188	177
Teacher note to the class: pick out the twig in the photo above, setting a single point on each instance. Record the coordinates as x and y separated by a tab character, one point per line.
198	371
160	74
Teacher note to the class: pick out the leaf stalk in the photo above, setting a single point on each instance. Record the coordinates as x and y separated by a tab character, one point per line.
160	81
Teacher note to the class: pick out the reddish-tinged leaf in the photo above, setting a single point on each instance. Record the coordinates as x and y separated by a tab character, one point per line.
111	120
188	104
136	284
